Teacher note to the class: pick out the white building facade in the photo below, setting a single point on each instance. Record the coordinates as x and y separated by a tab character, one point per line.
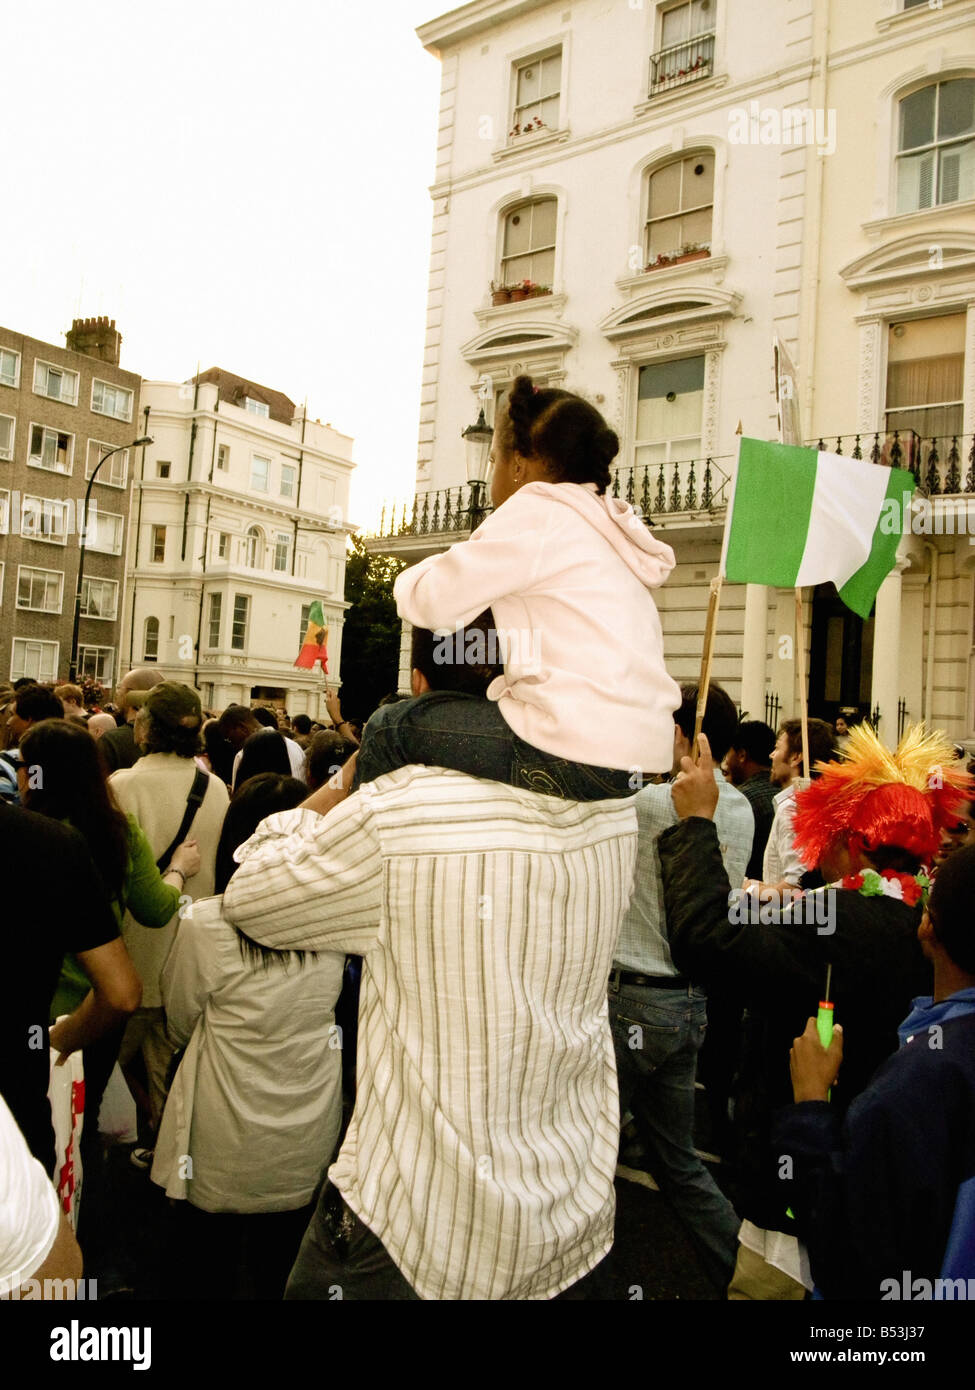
889	343
678	182
238	525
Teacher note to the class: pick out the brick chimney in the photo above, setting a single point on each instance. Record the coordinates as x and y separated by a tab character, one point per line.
95	338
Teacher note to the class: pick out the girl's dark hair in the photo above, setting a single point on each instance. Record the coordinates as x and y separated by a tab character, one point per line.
219	750
261	797
567	433
326	752
66	781
265	751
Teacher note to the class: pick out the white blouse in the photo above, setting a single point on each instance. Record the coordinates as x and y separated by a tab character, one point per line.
254	1112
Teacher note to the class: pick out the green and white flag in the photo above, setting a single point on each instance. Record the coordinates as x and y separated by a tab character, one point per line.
801	517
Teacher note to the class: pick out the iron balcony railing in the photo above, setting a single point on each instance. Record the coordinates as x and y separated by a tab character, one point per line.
662	489
943	465
681	63
668	489
432	513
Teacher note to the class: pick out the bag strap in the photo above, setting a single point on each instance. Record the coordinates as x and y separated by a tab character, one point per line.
193	802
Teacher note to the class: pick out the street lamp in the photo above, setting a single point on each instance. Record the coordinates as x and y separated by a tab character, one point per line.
73	676
477	438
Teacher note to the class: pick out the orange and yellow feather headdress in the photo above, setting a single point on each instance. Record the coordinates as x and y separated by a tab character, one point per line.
904	799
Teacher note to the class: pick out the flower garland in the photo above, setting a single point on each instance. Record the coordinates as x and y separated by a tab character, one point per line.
888	883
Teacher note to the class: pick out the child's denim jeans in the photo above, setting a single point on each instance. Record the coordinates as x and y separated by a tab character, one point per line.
468	733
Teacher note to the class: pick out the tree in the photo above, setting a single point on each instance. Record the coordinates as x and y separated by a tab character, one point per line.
371	635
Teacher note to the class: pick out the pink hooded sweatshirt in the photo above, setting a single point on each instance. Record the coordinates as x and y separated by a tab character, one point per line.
568	576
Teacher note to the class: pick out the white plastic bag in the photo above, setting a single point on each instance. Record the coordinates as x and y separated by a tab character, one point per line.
66	1092
117	1118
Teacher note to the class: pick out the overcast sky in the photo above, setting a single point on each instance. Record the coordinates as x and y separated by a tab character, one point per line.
240	184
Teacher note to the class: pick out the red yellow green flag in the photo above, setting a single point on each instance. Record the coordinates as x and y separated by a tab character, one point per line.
315	646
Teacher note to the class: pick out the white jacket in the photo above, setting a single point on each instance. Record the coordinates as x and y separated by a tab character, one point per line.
257	1101
568	576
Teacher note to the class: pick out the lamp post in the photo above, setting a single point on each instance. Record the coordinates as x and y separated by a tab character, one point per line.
73	675
477	438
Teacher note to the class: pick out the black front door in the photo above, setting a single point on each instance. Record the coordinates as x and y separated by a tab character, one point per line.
841	657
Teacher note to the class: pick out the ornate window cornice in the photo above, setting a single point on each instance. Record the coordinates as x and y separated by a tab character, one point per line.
670	308
530	338
923	254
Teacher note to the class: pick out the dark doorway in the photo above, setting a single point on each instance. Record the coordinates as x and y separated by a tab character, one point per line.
840	659
269	695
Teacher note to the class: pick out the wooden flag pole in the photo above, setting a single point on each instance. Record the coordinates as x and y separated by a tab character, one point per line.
710	631
801	666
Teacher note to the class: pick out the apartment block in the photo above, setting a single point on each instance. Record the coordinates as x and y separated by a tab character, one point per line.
239	524
62	409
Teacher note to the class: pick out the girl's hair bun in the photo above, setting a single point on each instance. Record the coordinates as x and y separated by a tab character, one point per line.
564	430
523	410
523	390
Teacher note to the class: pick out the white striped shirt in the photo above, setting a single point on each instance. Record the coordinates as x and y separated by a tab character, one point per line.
483	1146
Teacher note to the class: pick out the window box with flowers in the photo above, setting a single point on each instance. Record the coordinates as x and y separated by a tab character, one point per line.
677	76
533	127
528	290
693	252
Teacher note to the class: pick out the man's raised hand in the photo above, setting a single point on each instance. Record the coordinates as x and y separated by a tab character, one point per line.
694	790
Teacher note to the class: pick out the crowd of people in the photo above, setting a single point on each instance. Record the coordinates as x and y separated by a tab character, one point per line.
393	1008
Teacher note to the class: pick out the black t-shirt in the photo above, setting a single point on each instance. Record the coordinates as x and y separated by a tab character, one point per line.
53	903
